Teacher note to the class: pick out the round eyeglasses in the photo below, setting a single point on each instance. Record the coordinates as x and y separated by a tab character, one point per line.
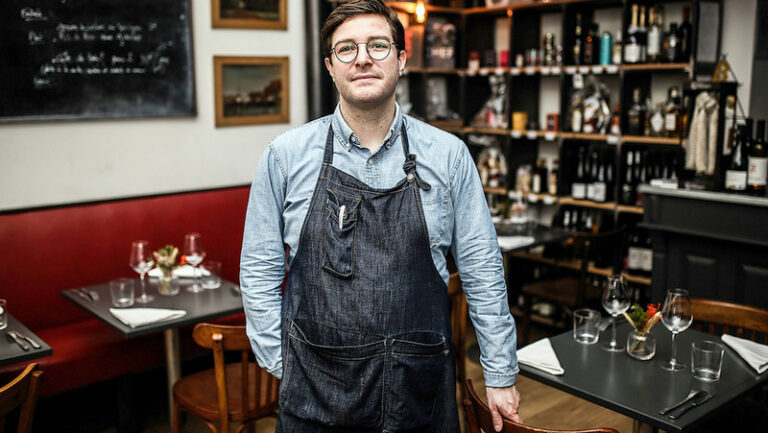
378	49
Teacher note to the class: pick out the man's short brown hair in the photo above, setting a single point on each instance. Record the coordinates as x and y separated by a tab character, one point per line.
360	7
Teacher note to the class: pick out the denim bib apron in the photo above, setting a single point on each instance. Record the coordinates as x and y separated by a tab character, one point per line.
366	338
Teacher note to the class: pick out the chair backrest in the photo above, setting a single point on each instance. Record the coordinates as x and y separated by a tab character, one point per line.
221	338
479	419
459	314
718	317
22	392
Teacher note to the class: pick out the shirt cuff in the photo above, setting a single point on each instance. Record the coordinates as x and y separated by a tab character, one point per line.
495	380
277	371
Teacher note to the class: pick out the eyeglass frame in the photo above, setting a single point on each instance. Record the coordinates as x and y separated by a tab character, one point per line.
357	49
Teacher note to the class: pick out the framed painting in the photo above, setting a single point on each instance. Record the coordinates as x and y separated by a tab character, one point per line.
249	14
251	90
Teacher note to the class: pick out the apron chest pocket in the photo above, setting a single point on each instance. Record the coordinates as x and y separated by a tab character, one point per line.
334	385
341	221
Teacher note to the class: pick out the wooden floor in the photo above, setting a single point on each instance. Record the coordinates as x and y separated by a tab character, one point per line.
542	406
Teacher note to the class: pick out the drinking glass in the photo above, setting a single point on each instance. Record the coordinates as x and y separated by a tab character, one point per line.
676	315
616	300
194	252
141	261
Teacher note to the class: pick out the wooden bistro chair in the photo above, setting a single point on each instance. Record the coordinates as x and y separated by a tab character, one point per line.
569	291
22	392
459	314
478	417
718	317
235	392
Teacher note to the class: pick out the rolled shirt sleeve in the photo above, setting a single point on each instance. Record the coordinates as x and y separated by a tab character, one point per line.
262	261
476	250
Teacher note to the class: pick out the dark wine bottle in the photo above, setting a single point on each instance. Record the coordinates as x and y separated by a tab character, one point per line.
758	161
736	174
628	185
579	187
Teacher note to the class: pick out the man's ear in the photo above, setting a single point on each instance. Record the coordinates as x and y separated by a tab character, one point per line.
329	66
401	61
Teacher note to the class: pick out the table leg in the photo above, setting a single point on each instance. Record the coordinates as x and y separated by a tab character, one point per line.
641	427
172	364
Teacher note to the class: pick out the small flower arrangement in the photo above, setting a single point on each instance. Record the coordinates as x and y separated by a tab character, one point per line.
167	259
643	320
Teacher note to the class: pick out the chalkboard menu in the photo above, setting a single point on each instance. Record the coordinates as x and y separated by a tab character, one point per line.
75	59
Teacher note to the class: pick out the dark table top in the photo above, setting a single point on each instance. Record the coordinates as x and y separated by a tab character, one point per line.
542	234
639	389
10	352
206	305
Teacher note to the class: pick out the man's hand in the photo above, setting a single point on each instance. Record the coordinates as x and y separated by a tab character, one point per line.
503	402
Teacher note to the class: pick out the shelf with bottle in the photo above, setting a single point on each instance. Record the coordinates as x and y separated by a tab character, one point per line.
409	7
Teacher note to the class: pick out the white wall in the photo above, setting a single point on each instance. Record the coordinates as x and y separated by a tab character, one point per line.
48	163
738	42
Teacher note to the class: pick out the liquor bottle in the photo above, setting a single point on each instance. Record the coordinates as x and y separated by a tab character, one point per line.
642	36
606	48
632	42
552	182
685	32
579	187
729	126
609	178
656	120
617	49
641	161
616	121
673	119
577	40
599	184
672	44
636	114
539	179
577	112
592	45
655	34
736	174
628	185
758	160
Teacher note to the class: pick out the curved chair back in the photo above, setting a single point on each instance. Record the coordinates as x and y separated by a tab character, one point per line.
478	418
718	317
459	314
22	392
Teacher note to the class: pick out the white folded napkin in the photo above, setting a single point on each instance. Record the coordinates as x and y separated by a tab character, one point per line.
135	317
540	355
186	271
512	242
755	354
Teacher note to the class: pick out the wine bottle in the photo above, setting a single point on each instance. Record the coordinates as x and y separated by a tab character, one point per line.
655	34
632	42
640	179
627	186
592	45
646	254
609	178
552	182
578	187
736	174
577	40
656	120
672	44
635	253
592	175
758	161
599	183
686	32
642	36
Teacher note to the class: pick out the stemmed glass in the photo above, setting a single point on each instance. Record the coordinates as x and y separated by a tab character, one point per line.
676	315
616	299
141	261
194	253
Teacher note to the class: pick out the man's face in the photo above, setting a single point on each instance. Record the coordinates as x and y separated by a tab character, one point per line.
364	81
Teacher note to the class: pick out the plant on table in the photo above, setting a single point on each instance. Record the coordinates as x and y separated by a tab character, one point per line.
642	320
167	259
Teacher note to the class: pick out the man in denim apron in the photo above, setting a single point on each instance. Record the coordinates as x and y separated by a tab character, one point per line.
369	202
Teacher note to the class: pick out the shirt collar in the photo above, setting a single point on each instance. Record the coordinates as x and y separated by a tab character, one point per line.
346	137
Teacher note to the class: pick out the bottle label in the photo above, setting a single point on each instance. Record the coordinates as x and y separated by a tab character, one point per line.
632	53
671	124
654	42
758	170
536	183
635	258
599	191
591	191
657	123
576	121
578	191
736	180
646	259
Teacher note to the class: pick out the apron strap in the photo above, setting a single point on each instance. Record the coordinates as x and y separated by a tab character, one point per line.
328	155
409	166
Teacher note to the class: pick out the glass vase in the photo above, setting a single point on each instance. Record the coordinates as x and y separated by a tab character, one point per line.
167	285
641	346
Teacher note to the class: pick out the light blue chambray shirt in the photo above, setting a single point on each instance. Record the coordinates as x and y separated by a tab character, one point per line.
455	209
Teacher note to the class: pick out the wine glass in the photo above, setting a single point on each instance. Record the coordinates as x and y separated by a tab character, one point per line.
194	253
616	299
141	261
676	315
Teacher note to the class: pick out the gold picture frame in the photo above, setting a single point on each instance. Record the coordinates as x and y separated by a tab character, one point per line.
251	90
249	14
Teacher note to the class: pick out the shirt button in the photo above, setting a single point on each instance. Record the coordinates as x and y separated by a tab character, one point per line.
370	161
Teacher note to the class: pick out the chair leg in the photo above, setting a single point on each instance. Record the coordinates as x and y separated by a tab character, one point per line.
175	418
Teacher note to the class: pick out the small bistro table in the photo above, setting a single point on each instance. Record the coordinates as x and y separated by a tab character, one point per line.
10	352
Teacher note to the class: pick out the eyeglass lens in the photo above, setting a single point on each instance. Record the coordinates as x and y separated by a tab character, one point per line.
378	49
